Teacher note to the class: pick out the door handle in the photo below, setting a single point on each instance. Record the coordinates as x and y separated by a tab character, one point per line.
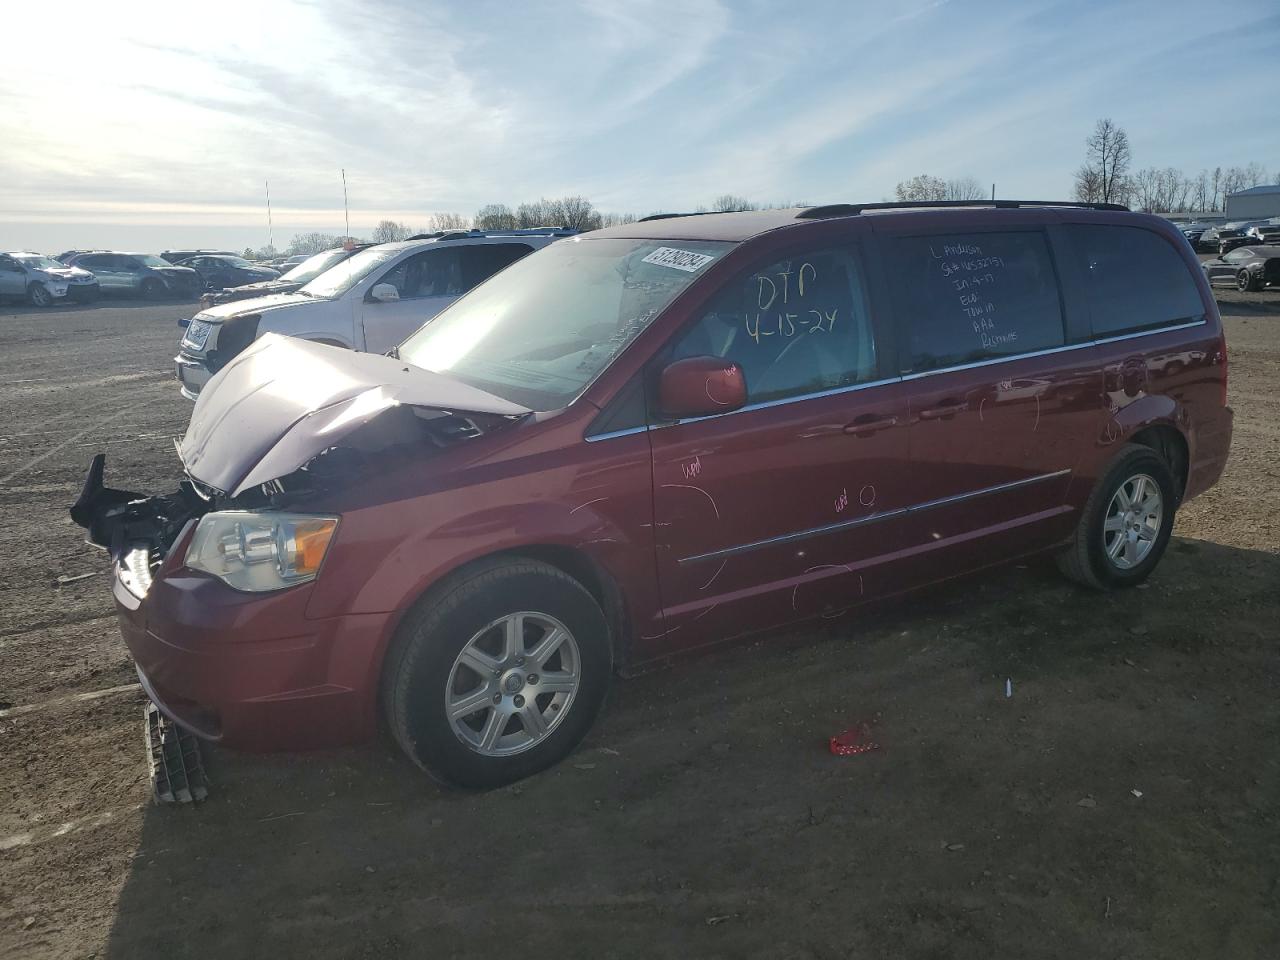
945	410
869	423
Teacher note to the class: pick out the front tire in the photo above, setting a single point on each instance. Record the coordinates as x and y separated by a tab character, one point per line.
1126	523
39	295
497	674
1245	282
152	289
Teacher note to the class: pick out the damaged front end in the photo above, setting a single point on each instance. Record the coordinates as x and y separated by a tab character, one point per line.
285	422
134	528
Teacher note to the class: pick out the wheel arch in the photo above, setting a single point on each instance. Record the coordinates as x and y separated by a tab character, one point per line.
569	560
1168	441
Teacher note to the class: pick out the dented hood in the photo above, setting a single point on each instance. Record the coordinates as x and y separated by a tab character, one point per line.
284	401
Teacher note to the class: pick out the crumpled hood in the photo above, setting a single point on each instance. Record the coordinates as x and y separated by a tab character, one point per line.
66	273
235	308
284	401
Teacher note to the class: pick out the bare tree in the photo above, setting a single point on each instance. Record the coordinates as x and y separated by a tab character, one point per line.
964	188
446	221
1103	175
921	187
616	219
1201	191
1217	188
1254	175
531	215
495	216
388	230
313	243
576	213
729	203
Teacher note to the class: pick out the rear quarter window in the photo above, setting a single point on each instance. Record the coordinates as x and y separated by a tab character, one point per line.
1134	279
966	298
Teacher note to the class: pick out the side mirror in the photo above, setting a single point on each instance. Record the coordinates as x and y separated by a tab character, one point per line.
384	293
700	387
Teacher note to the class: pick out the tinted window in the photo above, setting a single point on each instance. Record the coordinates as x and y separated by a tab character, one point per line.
1235	256
482	260
434	273
971	297
797	326
1134	279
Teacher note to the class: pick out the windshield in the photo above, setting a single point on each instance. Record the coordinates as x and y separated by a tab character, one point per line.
541	330
312	267
235	262
35	261
151	260
336	281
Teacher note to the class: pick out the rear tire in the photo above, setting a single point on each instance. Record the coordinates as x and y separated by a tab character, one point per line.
1126	523
514	629
39	295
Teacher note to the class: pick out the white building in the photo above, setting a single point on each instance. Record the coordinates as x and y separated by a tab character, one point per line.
1256	203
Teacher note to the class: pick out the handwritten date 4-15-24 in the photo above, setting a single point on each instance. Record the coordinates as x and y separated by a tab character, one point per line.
787	324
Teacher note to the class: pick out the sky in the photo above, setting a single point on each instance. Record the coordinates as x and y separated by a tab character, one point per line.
140	125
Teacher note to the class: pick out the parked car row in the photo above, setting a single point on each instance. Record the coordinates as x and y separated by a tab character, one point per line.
1221	237
639	441
369	299
1246	268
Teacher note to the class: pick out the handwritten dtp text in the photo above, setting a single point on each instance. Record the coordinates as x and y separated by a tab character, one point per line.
775	293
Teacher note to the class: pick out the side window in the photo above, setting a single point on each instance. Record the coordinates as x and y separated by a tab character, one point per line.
481	261
1235	256
129	264
433	273
971	297
796	326
1134	279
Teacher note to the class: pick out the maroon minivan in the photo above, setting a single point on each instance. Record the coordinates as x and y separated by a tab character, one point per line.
654	437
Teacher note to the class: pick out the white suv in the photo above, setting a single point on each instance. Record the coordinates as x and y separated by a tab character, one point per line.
369	302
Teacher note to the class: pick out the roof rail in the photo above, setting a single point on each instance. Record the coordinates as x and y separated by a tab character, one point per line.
514	232
853	209
668	216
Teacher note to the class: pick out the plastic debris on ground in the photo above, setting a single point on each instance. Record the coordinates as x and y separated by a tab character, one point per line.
853	741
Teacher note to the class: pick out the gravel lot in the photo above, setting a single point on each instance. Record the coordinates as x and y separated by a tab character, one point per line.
1123	803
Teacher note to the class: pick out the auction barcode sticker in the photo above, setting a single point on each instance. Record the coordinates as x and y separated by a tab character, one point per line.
684	260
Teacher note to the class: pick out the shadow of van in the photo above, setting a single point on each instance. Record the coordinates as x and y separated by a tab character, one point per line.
1129	779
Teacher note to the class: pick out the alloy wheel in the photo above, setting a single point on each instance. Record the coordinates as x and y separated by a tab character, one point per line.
513	683
1133	521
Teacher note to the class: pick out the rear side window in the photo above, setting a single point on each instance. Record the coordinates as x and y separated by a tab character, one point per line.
481	261
1134	279
796	326
433	273
970	297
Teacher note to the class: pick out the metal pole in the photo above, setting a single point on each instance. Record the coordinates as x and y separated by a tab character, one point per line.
271	234
346	214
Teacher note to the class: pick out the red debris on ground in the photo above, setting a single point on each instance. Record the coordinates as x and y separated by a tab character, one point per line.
853	741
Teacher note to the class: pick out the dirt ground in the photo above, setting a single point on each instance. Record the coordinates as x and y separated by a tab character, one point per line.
1122	803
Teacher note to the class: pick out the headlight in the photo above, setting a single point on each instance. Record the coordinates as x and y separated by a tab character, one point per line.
259	552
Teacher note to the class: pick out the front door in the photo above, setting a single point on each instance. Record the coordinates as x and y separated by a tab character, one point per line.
426	282
13	279
777	511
